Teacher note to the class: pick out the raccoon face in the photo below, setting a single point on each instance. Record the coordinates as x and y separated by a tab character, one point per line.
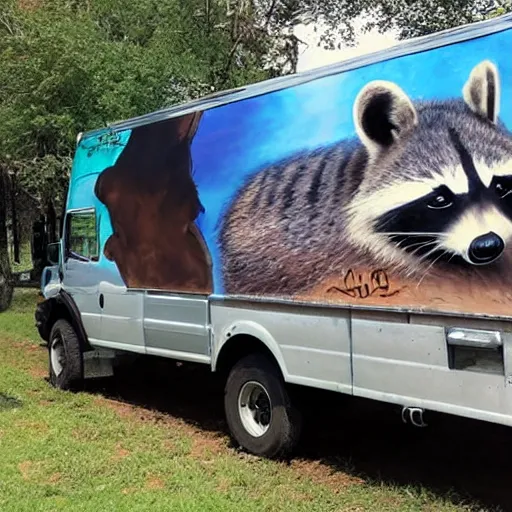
438	185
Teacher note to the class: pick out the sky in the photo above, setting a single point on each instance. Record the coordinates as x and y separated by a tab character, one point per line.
313	56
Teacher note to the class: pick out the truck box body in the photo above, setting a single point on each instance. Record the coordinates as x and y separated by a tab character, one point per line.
356	220
278	191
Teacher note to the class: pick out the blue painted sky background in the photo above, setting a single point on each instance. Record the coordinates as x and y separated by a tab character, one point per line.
236	140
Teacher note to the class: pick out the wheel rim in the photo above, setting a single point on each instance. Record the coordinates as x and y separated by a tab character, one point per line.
58	355
254	408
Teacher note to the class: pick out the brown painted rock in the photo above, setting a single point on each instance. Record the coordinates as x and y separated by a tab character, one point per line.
153	202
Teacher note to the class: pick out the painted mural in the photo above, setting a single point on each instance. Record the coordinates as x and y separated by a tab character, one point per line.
387	185
153	203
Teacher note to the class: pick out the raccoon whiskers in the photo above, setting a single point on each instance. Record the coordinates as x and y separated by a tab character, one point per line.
415	233
437	247
430	266
425	257
422	245
419	245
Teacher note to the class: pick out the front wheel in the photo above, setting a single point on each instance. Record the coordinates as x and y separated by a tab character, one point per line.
259	413
65	357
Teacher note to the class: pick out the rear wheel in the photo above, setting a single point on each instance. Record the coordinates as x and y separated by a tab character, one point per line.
65	357
259	413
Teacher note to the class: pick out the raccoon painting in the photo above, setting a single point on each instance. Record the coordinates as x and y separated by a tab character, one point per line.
426	187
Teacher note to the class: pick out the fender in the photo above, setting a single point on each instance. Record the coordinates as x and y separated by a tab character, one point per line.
60	306
248	328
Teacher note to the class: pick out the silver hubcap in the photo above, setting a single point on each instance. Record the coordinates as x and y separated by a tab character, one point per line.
57	355
255	409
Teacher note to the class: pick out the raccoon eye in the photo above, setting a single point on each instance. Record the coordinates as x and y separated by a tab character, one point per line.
440	200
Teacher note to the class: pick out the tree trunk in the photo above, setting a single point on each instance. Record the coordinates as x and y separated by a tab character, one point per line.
63	211
39	243
52	222
14	219
6	286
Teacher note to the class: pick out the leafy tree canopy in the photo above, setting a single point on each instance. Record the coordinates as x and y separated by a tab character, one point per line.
408	18
71	65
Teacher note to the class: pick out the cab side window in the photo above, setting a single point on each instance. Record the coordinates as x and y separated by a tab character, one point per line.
82	236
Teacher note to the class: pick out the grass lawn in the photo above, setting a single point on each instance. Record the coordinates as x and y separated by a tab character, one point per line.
89	451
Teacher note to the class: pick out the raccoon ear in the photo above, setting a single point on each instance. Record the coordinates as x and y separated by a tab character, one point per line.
482	90
382	113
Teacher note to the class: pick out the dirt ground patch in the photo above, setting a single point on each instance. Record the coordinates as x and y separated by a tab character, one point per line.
40	427
154	483
120	453
324	475
54	478
207	446
29	469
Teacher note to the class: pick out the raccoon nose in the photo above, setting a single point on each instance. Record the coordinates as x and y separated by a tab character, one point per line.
486	248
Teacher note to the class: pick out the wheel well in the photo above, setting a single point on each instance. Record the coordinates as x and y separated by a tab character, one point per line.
238	347
53	311
58	311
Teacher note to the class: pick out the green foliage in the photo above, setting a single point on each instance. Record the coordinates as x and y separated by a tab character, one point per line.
25	264
500	10
70	66
408	18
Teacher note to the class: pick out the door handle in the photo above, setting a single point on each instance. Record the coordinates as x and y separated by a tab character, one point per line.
473	338
102	300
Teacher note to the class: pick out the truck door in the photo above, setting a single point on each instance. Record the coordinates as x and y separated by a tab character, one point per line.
80	267
111	315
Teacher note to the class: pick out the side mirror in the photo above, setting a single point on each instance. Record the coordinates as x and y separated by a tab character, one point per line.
53	253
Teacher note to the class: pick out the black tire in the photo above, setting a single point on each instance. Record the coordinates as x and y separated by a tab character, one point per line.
65	346
285	422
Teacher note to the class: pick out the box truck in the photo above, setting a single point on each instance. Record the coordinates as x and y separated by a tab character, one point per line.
347	228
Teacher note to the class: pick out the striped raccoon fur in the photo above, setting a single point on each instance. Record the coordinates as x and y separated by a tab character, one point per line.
427	187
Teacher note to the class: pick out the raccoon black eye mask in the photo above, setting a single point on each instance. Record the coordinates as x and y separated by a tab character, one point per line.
450	164
442	209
